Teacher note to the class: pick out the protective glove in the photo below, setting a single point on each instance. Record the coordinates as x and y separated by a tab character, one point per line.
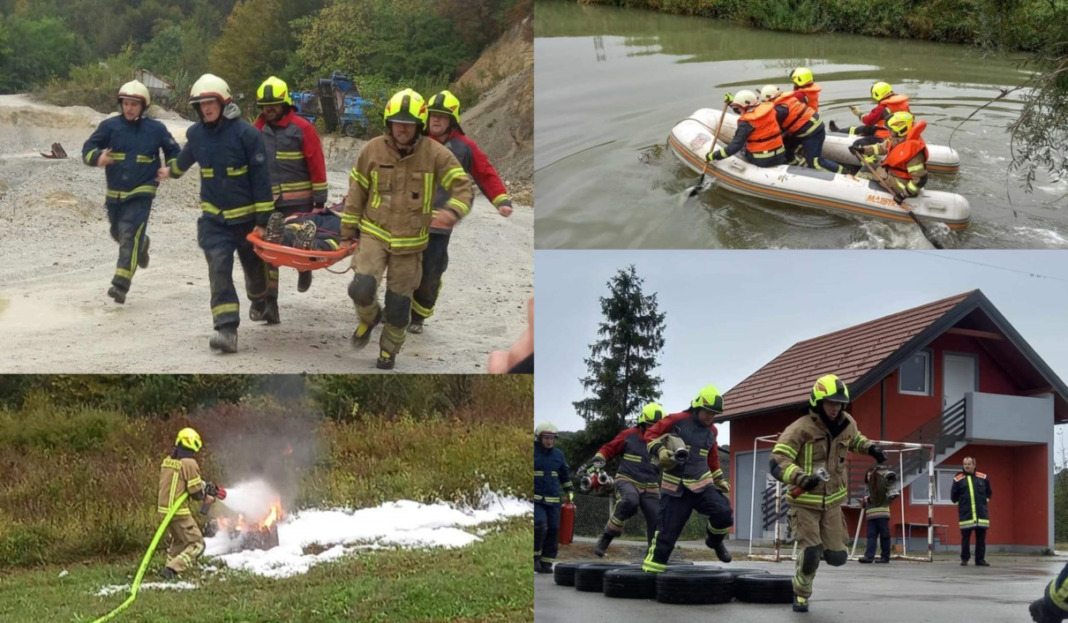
571	496
728	98
856	152
597	464
723	486
856	110
215	491
899	197
810	482
715	155
877	453
667	459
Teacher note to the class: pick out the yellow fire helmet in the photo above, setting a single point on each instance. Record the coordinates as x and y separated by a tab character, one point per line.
651	414
445	103
406	106
829	387
900	123
880	91
802	76
273	91
189	438
708	399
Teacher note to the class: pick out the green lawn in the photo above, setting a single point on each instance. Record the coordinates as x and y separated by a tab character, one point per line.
487	581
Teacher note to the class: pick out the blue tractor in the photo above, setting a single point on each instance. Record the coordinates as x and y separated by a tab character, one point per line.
337	100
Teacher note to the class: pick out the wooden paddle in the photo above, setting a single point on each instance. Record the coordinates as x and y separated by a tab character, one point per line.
715	139
901	204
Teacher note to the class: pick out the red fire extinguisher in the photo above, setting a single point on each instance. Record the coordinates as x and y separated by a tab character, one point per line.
567	523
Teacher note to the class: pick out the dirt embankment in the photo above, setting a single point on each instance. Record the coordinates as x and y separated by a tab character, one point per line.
503	120
57	259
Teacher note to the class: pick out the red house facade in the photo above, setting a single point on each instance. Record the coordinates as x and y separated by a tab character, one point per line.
953	373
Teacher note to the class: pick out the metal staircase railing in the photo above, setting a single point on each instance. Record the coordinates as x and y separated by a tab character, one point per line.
942	432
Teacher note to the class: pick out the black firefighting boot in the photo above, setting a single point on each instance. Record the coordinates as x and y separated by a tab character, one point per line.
118	294
415	325
362	335
720	548
168	574
270	312
542	567
833	126
386	361
304	279
142	259
224	339
1041	612
800	603
602	544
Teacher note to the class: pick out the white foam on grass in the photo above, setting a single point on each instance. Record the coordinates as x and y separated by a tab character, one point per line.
404	524
149	586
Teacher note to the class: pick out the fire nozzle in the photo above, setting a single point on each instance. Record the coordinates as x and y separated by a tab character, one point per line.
821	473
681	455
604	480
585	484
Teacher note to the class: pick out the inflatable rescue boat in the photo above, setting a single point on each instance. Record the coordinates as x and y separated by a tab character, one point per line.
691	140
941	159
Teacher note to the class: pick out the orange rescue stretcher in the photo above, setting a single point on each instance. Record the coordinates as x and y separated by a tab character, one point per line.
301	259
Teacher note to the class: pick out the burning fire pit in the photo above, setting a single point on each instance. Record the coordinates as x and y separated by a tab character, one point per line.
245	534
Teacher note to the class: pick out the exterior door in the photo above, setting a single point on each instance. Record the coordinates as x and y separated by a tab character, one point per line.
958	376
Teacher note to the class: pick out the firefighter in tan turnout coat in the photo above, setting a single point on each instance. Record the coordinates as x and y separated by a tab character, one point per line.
390	202
821	438
179	474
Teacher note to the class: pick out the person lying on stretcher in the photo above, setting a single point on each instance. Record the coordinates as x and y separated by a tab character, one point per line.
319	230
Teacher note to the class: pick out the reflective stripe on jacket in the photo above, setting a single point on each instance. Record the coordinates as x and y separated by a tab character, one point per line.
766	137
235	178
551	475
900	160
298	168
970	493
135	147
390	196
635	465
702	465
805	446
176	476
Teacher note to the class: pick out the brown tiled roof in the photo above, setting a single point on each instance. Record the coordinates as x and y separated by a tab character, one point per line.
787	379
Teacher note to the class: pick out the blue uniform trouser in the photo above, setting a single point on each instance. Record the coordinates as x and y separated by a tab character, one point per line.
129	220
220	241
546	531
675	512
435	261
812	146
980	544
628	500
878	528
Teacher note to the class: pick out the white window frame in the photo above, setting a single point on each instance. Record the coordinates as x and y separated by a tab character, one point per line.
919	487
928	375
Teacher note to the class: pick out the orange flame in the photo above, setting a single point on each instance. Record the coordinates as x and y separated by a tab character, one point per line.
240	524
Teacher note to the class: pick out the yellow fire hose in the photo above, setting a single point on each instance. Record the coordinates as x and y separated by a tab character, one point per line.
144	561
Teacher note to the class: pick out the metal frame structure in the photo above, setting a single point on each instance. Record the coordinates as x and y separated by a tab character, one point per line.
893	446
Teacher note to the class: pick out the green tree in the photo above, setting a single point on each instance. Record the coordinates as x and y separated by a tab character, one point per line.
36	50
621	362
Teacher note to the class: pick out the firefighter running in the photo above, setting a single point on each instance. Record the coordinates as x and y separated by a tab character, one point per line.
636	481
390	203
444	127
127	147
693	483
819	439
179	473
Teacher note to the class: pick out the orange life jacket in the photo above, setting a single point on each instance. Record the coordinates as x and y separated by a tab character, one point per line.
897	160
797	114
766	135
893	104
811	95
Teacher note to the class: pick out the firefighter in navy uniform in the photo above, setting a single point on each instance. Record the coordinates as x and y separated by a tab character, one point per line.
971	493
179	473
821	438
637	480
127	147
298	168
551	478
1052	607
235	198
696	484
443	126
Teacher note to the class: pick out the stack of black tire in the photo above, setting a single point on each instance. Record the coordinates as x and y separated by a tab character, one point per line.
682	583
